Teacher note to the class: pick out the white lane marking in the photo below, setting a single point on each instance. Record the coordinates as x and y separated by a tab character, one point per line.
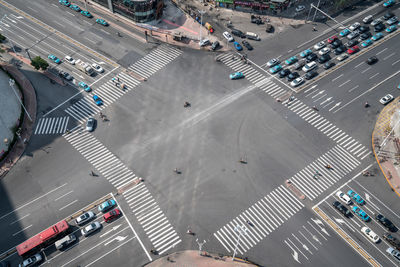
23	217
30	202
389	56
394	63
383	50
66	206
14	234
106	32
374	75
355	87
62	25
334	79
70	13
344	83
356	66
64	195
32	9
103	255
366	70
54	5
93	42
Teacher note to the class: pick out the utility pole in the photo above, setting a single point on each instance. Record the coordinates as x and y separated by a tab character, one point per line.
315	13
241	229
201	20
12	82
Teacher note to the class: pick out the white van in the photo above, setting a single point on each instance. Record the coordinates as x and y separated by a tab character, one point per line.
65	241
252	36
310	66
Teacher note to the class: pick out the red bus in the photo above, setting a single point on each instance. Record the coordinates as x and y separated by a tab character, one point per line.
42	239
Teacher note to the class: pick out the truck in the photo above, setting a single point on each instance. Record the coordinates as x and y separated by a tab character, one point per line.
84	67
209	27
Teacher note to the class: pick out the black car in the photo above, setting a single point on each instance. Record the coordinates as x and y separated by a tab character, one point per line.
215	45
299	64
385	222
284	73
371	60
388	15
311	57
238	33
392	240
256	20
363	29
329	65
351	43
247	45
310	75
324	58
340	50
292	76
379	27
365	35
341	208
335	44
269	28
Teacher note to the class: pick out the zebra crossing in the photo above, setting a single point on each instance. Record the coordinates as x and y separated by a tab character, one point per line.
151	218
258	79
54	125
143	205
110	93
326	127
280	205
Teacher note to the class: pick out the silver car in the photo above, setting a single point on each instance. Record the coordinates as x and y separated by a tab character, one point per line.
31	261
353	35
296	82
90	124
84	218
91	228
386	99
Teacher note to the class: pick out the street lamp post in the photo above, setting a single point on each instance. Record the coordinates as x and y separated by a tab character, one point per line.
241	229
201	20
12	82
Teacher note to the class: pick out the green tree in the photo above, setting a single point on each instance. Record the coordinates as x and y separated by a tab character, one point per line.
342	4
2	38
39	63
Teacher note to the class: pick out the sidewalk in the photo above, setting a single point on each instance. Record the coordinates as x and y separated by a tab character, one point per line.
386	144
193	259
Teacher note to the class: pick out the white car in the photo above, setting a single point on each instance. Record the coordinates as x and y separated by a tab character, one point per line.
324	51
394	252
342	57
352	35
386	99
376	22
90	228
319	45
204	42
97	68
309	66
70	60
228	36
296	82
370	234
273	62
354	26
31	261
367	19
90	124
84	218
300	8
343	197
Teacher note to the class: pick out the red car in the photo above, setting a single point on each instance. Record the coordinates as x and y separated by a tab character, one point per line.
353	50
332	39
110	216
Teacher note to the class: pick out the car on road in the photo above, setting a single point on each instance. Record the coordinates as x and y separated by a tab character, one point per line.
391	29
54	59
385	222
70	60
394	253
84	86
344	32
97	68
112	215
351	43
97	100
236	75
311	57
284	73
342	57
340	207
392	21
247	45
376	22
305	53
65	75
377	36
237	46
215	45
32	261
275	69
107	205
388	15
64	2
273	62
324	51
329	65
102	22
319	45
364	36
86	14
91	228
296	82
292	76
356	197
300	8
379	28
84	218
299	64
353	35
324	58
343	197
90	124
238	33
204	42
371	60
370	234
360	213
391	240
228	36
291	60
332	39
309	66
386	99
354	26
310	75
367	19
353	50
366	43
389	3
335	44
75	7
339	50
363	29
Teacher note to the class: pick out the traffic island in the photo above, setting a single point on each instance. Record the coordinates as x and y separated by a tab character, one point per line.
386	143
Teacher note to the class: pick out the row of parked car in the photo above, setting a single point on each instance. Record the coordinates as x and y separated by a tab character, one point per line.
371	235
83	12
346	42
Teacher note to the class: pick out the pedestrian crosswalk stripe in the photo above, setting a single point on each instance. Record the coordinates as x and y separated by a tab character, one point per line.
52	125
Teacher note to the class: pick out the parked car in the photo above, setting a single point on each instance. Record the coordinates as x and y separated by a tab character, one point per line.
353	50
238	33
370	234
363	29
368	19
310	75
64	2
351	43
385	222
275	69
340	50
379	28
319	45
204	42
365	36
324	51
388	15
329	65
70	60
292	76
273	62
311	57
392	21
296	82
299	64
112	215
377	36
305	53
324	58
335	44
75	7
392	240
332	39
91	228
389	3
300	8
228	36
247	45
376	22
341	208
291	60
269	28
353	35
394	253
54	59
310	66
342	57
345	32
237	46
391	29
343	197
215	45
366	43
284	73
356	197
354	26
360	213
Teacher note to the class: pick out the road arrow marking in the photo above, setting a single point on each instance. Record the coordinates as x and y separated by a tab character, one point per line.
118	238
295	255
327	100
320	92
312	87
337	104
367	197
109	231
339	220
